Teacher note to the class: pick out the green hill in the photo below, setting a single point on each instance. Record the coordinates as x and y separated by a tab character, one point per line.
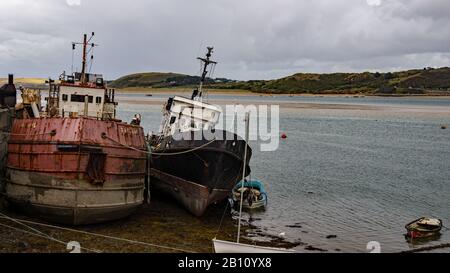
160	80
418	81
143	79
434	81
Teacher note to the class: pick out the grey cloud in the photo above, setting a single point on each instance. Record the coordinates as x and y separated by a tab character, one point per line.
254	39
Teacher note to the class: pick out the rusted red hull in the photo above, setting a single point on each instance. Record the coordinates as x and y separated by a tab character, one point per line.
76	170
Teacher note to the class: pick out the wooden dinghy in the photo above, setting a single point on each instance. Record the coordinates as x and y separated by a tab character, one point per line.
423	227
254	194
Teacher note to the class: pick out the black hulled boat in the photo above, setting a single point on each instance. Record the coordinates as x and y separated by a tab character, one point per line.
191	160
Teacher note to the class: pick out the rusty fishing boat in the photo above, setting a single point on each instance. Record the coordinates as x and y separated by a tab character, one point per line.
191	160
72	161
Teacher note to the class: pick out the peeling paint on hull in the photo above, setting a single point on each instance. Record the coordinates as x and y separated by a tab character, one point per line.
74	175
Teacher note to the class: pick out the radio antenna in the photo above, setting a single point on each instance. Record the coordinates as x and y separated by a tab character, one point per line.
206	62
86	43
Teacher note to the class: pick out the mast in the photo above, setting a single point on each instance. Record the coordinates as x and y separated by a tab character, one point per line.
85	44
83	65
206	62
247	122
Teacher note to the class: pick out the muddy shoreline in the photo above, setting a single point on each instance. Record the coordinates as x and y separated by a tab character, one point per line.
161	223
306	105
242	92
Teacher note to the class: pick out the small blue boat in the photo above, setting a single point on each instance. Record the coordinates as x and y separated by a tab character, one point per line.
254	194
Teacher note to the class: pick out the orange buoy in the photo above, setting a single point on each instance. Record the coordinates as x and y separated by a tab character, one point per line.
283	136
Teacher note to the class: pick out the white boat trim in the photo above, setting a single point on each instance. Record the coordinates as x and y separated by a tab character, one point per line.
233	247
197	103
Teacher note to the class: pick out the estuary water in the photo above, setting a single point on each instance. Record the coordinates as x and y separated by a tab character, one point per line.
357	168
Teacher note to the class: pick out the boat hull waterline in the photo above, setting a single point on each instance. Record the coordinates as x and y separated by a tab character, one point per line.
197	177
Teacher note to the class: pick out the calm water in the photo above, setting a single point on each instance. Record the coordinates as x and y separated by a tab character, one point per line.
358	174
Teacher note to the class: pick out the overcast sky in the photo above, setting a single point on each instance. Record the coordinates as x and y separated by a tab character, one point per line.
253	39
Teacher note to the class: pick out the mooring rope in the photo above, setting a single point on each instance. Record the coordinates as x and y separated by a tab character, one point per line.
221	219
36	231
45	237
160	154
427	248
13	220
104	236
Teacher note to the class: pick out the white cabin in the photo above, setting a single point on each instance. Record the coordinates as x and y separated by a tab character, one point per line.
184	115
72	101
73	98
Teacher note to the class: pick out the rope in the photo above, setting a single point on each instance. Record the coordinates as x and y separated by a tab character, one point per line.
188	151
45	237
92	58
221	219
153	153
36	231
13	220
427	248
106	236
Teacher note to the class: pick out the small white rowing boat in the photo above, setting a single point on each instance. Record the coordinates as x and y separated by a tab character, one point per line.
232	247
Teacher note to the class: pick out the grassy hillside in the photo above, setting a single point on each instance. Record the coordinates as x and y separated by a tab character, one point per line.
159	80
142	79
152	79
418	81
427	81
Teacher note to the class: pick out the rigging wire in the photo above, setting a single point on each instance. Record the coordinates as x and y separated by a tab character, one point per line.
161	154
91	61
221	220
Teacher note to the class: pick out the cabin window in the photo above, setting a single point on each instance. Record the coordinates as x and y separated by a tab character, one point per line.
65	97
98	100
172	120
80	98
99	82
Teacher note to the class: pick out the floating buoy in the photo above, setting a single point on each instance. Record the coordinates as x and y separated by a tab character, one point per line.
283	136
443	126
